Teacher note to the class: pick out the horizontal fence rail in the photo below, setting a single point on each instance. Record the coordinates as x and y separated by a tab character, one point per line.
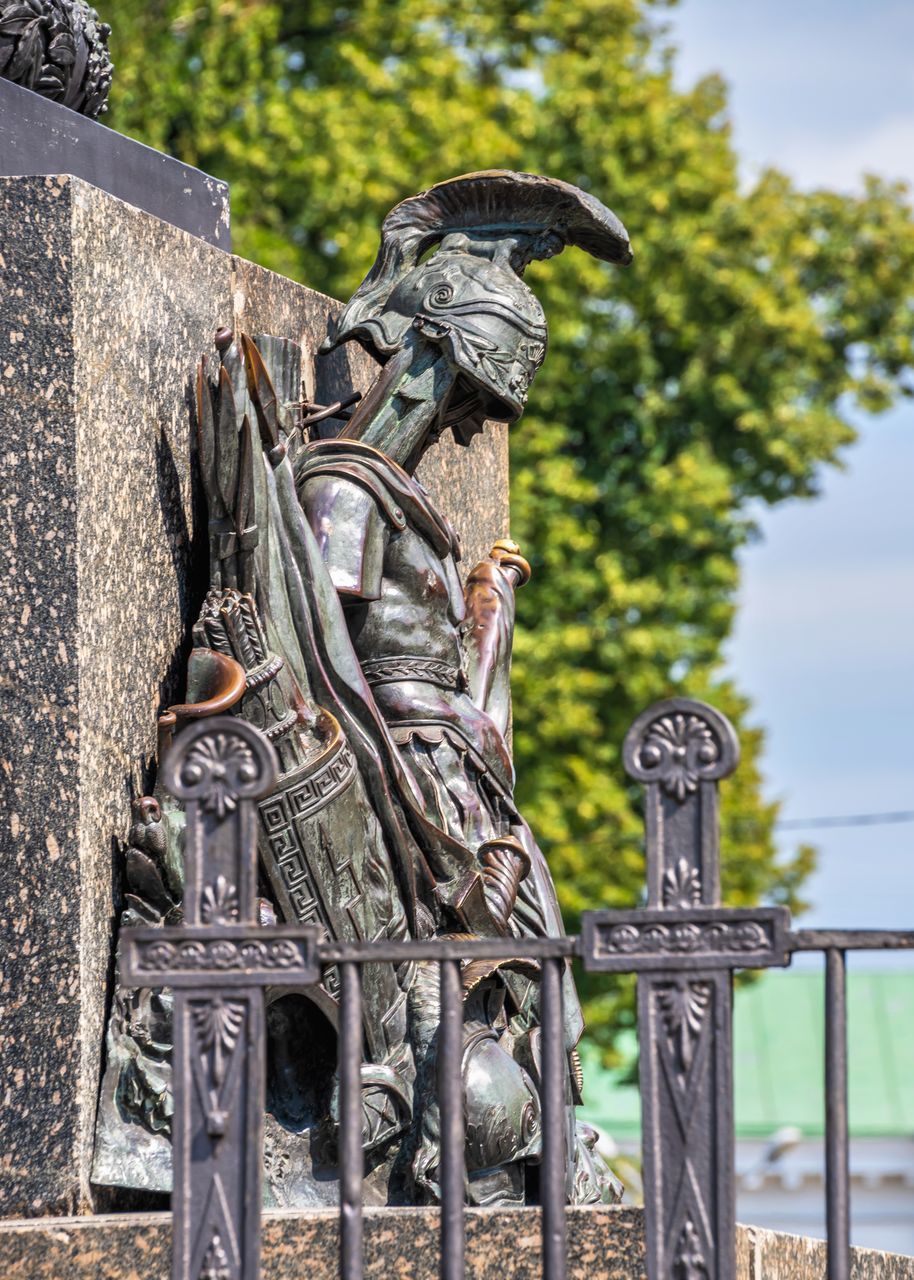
683	946
578	946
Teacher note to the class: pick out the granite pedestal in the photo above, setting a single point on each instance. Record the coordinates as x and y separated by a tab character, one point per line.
603	1244
41	136
104	311
403	1243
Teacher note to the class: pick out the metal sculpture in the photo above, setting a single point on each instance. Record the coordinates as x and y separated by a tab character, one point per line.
57	48
337	623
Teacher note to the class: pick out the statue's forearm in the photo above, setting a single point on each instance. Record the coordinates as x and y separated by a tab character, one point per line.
489	629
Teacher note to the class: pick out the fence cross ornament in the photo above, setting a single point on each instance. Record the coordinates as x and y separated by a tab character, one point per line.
684	947
219	963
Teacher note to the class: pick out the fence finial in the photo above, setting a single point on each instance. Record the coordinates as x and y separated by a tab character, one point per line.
680	749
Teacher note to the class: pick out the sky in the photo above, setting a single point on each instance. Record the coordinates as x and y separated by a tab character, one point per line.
824	89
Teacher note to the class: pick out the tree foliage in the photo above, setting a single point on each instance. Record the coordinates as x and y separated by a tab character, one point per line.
713	374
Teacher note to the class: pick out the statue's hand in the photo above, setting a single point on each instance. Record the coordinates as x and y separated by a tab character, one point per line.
507	556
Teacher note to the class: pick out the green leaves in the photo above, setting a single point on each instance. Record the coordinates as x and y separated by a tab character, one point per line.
712	374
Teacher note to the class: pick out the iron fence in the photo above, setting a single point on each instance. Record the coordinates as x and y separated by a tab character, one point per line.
684	947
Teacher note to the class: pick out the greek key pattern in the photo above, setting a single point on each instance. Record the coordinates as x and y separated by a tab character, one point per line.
281	816
303	798
710	938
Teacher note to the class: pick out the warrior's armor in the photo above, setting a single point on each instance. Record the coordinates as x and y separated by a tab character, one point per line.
462	334
382	676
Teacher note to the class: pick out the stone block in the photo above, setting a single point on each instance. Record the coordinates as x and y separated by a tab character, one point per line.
478	510
104	311
501	1245
41	136
775	1255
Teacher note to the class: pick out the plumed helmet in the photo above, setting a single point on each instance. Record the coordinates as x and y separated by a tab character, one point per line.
469	296
481	313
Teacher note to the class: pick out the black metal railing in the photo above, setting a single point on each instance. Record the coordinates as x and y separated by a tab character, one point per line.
835	944
684	947
552	954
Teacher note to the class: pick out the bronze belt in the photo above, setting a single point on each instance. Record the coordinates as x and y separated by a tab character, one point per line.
431	670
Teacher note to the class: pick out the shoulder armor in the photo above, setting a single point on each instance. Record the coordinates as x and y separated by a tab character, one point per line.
399	496
360	475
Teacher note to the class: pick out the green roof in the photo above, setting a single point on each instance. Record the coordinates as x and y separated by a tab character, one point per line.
779	1033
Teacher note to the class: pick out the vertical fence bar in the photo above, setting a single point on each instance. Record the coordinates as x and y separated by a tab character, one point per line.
837	1176
680	750
554	1166
450	1102
351	1158
219	767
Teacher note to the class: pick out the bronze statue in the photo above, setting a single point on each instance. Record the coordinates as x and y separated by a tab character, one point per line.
57	48
338	610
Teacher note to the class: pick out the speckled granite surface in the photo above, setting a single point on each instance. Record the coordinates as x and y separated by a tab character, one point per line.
773	1255
603	1244
103	313
401	1243
39	747
478	510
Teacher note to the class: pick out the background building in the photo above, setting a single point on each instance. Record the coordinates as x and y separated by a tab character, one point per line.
778	1079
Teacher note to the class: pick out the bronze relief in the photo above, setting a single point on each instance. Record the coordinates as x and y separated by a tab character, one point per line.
339	623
